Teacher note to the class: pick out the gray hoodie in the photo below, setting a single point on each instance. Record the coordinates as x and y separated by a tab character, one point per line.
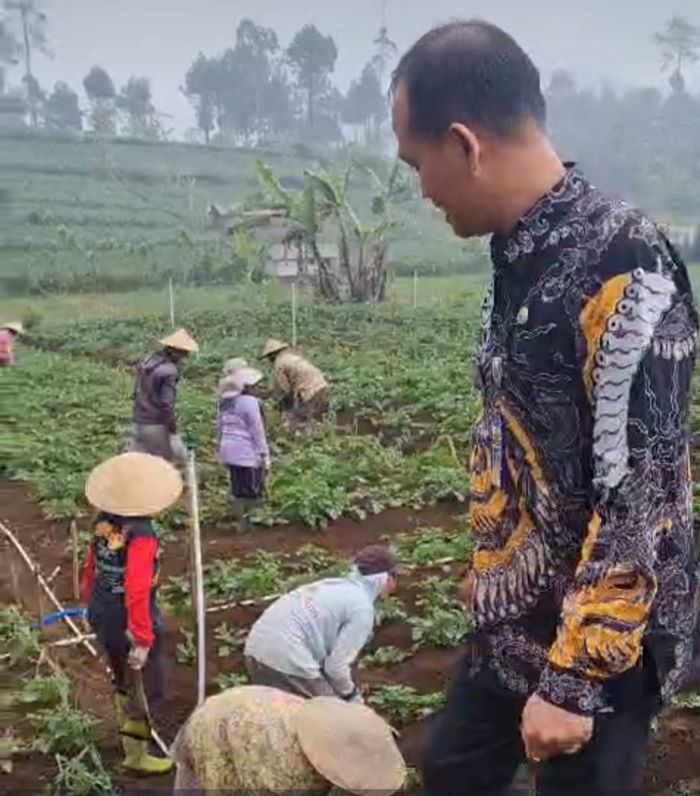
318	630
155	389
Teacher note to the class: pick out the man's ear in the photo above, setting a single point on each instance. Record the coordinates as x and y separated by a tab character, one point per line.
464	138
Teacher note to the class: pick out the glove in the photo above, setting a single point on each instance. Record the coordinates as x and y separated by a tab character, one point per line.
354	697
138	654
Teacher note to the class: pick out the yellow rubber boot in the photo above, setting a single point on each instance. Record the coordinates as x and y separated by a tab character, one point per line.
138	760
135	728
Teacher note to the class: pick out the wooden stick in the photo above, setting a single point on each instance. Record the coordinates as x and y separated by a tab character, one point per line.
70	642
42	583
52	577
76	559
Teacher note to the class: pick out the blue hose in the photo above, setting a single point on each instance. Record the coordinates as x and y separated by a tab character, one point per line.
50	619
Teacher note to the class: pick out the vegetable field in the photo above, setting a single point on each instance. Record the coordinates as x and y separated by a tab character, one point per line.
388	464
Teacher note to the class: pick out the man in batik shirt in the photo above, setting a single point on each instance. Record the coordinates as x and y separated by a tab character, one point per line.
583	585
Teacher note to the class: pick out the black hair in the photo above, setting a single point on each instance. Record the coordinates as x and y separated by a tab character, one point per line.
469	71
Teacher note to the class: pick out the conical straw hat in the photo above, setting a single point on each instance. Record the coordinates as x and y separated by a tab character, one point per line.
180	340
13	326
273	346
350	746
133	485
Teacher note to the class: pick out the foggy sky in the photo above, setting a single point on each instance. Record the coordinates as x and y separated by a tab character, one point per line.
599	40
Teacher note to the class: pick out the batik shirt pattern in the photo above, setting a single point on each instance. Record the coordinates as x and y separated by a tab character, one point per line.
581	491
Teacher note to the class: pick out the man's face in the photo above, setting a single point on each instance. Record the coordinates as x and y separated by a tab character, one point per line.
449	176
389	587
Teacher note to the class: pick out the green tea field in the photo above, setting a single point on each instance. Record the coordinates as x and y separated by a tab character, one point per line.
388	464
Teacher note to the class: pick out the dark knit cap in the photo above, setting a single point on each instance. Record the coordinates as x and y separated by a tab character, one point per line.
375	559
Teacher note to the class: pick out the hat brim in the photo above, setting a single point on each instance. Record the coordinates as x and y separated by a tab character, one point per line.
350	746
133	485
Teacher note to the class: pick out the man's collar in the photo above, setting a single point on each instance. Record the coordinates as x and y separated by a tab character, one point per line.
533	228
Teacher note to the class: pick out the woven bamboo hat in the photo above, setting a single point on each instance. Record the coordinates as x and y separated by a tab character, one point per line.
133	485
180	340
350	746
273	346
13	326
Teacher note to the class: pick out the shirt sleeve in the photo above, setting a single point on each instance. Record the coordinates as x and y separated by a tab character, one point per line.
254	424
282	379
640	336
88	576
168	393
353	636
138	582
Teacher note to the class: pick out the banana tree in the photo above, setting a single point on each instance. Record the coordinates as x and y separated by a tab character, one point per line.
362	246
323	201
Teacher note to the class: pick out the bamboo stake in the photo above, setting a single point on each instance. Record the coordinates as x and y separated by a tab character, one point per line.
42	583
197	575
70	642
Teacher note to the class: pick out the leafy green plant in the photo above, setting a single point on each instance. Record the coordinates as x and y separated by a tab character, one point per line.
83	775
442	621
64	730
18	640
186	650
430	545
230	639
401	704
688	701
384	656
231	680
46	690
391	610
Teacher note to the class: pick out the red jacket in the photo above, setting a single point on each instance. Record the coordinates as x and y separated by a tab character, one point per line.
121	569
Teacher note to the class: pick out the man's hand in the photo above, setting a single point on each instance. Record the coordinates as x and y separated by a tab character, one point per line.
465	590
138	657
138	654
548	731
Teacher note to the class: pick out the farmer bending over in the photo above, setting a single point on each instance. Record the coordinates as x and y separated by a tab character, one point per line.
306	641
8	332
119	586
583	584
155	391
259	740
302	388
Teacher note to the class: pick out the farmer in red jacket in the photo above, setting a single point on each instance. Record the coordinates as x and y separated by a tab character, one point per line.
119	586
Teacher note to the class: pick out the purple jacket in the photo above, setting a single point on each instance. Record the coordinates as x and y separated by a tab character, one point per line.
155	389
242	439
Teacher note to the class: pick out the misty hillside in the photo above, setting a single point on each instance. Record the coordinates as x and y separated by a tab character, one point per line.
137	210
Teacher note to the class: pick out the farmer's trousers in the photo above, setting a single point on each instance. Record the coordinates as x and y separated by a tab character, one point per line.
475	748
110	628
307	687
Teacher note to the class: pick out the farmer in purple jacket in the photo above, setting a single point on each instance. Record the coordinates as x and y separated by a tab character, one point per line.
242	443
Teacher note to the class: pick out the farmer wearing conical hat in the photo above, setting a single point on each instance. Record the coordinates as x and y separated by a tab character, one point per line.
302	388
8	332
254	739
155	391
119	587
307	641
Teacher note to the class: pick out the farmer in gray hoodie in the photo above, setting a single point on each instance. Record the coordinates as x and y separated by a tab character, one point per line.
307	641
155	390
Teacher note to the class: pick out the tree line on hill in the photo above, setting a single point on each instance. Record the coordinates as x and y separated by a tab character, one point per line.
643	143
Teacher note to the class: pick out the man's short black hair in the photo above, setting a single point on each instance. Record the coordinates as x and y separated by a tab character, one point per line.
471	72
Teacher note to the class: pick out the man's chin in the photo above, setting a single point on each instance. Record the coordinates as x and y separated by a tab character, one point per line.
459	229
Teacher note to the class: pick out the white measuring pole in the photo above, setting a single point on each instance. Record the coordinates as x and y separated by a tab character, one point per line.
197	574
172	302
415	289
294	314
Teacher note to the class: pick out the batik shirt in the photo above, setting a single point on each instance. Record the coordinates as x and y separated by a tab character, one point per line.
581	492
